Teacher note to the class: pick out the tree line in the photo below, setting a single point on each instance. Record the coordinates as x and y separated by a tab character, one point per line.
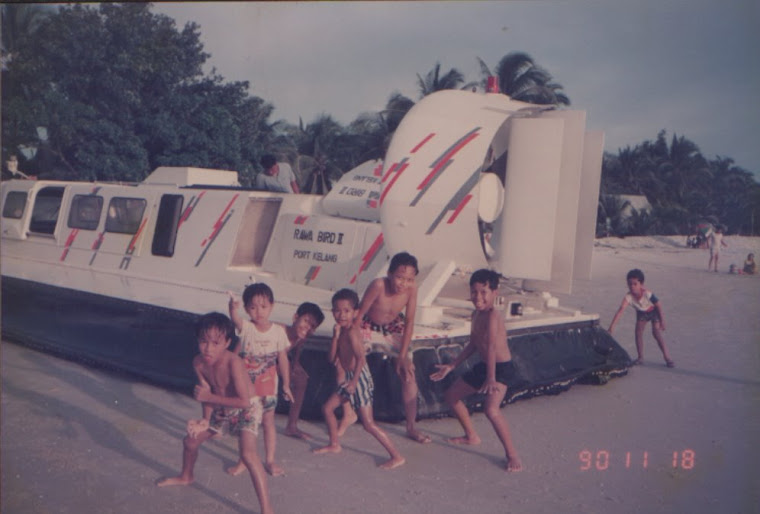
110	92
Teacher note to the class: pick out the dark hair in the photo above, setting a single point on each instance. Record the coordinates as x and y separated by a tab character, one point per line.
485	276
635	273
258	289
403	259
215	320
346	294
313	309
267	161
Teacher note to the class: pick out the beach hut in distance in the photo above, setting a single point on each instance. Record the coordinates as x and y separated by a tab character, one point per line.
116	274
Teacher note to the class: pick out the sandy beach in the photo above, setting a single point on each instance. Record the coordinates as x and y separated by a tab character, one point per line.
687	440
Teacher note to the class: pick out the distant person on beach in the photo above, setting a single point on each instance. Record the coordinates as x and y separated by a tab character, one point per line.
307	318
358	386
229	404
263	346
386	316
277	177
716	241
750	266
648	308
488	337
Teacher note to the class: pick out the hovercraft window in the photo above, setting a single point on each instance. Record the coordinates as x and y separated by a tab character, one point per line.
14	205
167	225
255	231
47	205
85	211
125	214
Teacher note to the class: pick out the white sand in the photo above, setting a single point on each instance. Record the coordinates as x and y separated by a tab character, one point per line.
78	440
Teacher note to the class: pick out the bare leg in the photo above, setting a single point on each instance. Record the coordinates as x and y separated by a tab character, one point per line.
298	383
409	392
190	446
657	333
348	419
328	410
492	411
250	457
640	325
454	394
270	444
717	255
396	460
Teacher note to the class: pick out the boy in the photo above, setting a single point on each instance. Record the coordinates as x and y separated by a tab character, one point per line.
716	242
386	315
307	318
488	337
228	404
263	346
358	386
648	308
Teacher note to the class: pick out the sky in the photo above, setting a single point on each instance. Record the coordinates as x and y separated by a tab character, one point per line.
690	67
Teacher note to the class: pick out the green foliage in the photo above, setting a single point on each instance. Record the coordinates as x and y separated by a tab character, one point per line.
683	187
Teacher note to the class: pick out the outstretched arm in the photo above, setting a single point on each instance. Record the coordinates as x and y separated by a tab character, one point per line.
242	383
617	315
234	307
403	364
283	366
445	369
496	329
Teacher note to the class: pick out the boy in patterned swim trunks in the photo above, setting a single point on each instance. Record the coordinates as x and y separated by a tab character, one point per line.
357	388
226	394
648	308
386	317
263	345
488	337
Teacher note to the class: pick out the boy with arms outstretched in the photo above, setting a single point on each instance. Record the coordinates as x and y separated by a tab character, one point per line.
263	346
648	308
307	318
228	404
358	386
386	315
488	337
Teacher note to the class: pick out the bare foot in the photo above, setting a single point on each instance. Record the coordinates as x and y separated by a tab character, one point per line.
235	470
328	449
464	440
637	362
273	469
349	418
419	437
174	481
393	463
514	465
669	363
297	434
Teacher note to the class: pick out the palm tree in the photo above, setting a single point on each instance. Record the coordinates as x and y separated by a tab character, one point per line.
522	79
433	81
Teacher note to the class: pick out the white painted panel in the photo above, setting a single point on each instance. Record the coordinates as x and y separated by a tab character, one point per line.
526	236
591	176
567	202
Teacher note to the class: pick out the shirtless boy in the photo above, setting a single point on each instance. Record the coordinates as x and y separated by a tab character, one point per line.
488	337
228	404
358	386
307	318
386	313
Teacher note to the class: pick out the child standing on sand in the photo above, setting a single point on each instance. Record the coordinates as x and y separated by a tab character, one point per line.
716	242
307	318
228	404
648	308
488	337
386	315
263	346
358	386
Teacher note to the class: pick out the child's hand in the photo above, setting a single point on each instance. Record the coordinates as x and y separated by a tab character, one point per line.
349	386
443	370
336	331
287	394
662	325
490	386
234	300
196	426
405	368
298	372
202	393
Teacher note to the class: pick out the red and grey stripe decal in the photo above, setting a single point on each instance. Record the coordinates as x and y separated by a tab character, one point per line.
96	246
221	221
457	202
312	274
442	162
369	256
190	208
131	246
69	242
